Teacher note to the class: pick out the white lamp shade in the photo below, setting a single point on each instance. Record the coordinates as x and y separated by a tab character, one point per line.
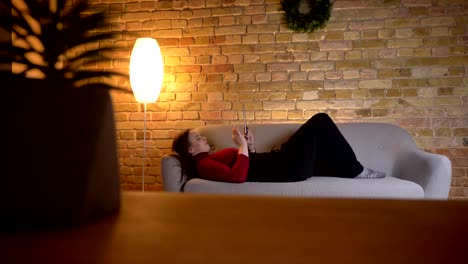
146	70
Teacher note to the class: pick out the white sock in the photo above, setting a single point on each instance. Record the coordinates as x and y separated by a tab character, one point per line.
370	174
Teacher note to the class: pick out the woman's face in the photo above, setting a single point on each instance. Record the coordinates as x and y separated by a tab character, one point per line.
198	144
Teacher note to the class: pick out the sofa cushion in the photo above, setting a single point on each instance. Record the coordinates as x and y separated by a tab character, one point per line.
388	188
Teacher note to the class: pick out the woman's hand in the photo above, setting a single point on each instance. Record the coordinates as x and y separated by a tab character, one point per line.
237	137
250	140
240	141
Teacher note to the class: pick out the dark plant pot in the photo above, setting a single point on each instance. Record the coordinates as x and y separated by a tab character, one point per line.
62	165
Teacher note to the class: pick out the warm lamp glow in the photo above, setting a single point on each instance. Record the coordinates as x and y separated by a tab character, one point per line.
146	70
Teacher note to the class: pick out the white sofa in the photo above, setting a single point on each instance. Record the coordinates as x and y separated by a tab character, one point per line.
411	173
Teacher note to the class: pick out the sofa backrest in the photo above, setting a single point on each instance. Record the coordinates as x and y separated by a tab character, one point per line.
376	145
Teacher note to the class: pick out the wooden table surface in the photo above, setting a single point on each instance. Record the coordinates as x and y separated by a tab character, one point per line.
188	228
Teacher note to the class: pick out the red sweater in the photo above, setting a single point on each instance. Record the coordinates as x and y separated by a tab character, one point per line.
226	165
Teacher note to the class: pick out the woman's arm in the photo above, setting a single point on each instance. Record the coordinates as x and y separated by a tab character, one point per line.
214	170
232	168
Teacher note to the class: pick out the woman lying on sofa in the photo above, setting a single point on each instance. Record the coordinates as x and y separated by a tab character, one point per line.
317	148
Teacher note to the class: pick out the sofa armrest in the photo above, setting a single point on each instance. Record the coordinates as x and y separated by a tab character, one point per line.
170	172
433	172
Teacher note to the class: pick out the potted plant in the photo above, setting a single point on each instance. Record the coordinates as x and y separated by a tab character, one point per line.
62	167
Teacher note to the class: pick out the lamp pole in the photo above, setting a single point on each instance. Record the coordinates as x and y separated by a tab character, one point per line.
144	149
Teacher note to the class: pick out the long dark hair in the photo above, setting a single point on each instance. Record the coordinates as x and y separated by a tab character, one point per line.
180	146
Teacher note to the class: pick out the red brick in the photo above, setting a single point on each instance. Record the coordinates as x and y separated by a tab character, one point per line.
218	68
283	67
187	41
459	152
216	106
460	162
187	69
417	2
214	78
414	122
210	115
349	4
135	16
335	45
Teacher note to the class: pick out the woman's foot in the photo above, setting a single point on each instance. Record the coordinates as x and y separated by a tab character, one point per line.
370	174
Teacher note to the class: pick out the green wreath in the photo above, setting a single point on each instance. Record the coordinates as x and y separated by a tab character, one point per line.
306	22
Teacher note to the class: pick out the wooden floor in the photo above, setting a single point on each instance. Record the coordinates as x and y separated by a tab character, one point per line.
184	228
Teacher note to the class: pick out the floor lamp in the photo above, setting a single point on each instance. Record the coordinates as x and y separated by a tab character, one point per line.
146	78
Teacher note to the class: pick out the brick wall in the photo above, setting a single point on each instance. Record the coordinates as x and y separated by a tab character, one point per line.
403	62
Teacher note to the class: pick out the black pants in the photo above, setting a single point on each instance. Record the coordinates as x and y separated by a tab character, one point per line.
317	148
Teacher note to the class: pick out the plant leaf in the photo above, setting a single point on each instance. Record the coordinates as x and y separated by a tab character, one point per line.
61	30
103	86
87	74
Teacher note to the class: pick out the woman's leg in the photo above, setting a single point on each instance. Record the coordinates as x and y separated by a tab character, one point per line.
318	148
